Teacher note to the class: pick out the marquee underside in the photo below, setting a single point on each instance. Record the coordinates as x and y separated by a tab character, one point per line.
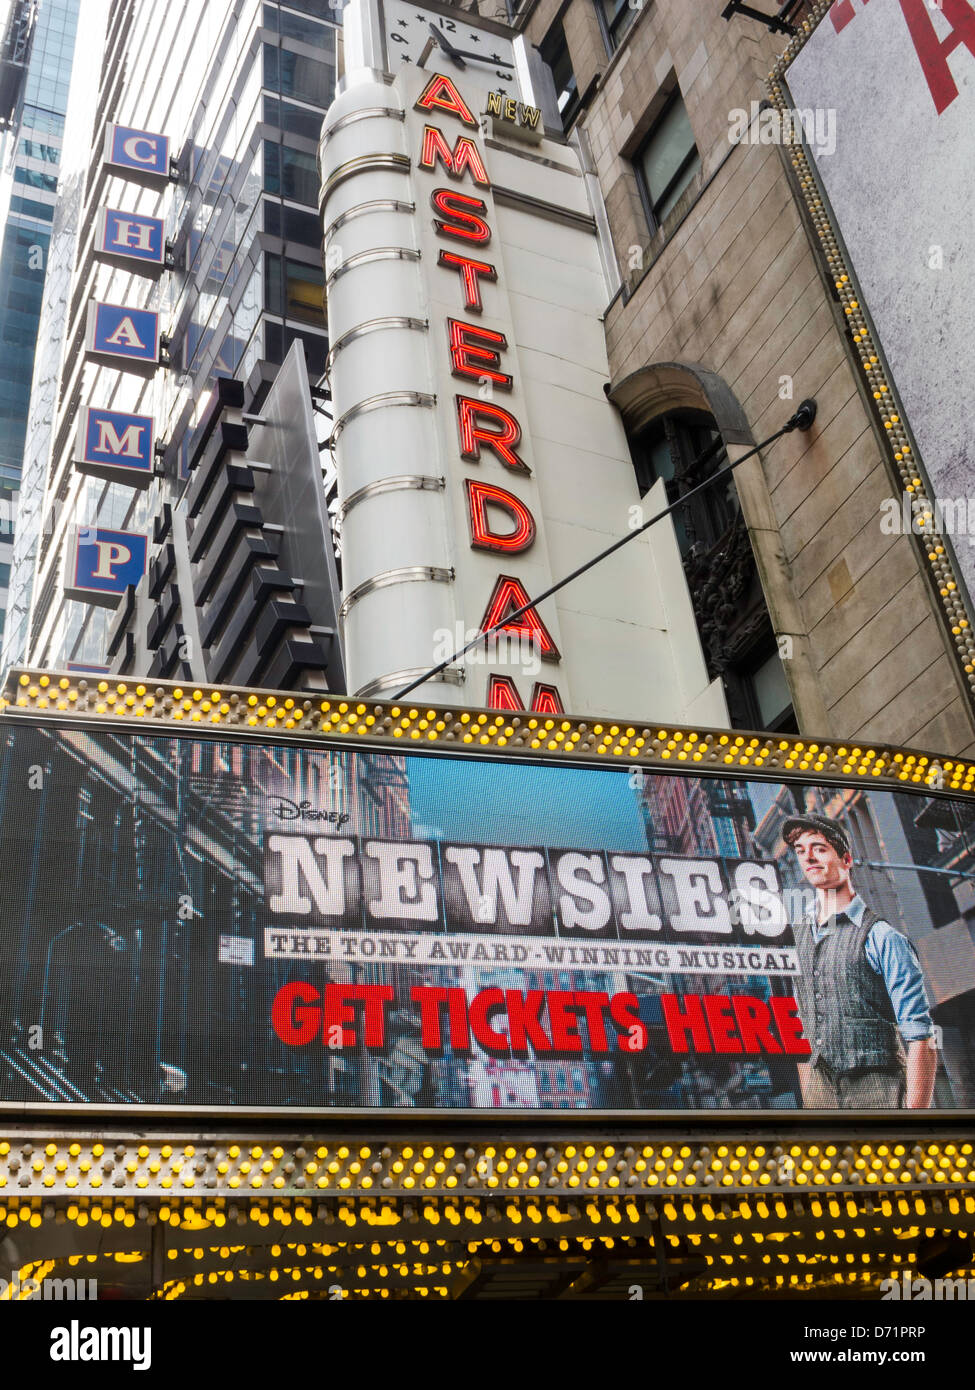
606	1212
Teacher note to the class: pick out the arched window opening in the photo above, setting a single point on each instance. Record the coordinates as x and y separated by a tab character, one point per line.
684	448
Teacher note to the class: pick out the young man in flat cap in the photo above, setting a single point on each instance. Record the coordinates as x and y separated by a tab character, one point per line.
861	993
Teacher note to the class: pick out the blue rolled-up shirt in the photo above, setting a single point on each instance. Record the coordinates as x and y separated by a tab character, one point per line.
891	955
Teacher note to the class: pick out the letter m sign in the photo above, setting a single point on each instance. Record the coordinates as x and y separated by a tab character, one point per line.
116	446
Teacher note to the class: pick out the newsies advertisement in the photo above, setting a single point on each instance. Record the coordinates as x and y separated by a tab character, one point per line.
241	899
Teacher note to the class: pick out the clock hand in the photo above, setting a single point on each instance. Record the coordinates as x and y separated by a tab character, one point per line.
447	46
491	59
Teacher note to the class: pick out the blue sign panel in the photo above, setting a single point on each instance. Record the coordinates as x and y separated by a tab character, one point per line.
138	152
105	563
114	330
116	445
132	235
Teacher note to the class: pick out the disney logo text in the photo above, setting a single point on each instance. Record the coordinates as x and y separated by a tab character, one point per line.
302	810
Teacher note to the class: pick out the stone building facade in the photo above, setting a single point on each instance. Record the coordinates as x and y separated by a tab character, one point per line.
727	317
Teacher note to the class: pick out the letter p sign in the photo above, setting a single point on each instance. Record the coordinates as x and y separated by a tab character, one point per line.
105	563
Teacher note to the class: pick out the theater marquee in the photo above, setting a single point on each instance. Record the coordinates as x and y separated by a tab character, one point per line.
241	900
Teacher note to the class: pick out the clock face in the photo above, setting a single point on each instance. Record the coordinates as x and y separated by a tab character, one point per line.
447	43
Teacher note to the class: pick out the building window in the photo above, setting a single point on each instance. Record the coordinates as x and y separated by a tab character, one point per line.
34	179
292	224
298	119
300	181
555	52
29	208
683	449
615	18
294	75
295	291
293	26
666	161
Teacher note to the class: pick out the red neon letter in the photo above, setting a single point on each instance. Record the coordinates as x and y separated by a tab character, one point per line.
476	352
430	998
624	1009
470	273
753	1024
295	1013
932	52
593	1005
480	496
503	694
339	1012
483	1005
467	225
509	595
680	1024
563	1023
441	92
546	700
463	156
502	442
721	1022
524	1022
785	1011
375	998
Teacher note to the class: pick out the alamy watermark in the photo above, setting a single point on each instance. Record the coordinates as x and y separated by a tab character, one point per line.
498	649
53	1290
920	516
766	125
928	1290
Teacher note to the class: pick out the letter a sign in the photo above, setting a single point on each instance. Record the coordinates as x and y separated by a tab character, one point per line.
116	333
102	564
116	446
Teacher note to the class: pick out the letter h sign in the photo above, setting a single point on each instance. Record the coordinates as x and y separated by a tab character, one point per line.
131	240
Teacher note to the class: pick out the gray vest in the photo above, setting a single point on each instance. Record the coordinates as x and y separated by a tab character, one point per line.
844	1004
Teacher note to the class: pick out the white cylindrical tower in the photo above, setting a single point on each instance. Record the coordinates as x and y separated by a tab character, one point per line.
398	602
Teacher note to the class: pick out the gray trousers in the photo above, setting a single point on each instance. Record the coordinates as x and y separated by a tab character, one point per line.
863	1090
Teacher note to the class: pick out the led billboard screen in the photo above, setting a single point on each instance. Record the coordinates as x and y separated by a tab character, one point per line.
217	922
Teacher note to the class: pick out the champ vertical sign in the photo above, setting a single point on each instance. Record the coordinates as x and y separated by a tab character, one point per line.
900	77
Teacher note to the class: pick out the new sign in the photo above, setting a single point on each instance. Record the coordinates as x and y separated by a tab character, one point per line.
102	563
478	458
116	446
124	237
117	333
140	155
500	522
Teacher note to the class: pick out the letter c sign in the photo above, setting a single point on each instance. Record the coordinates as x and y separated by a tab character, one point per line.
137	153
